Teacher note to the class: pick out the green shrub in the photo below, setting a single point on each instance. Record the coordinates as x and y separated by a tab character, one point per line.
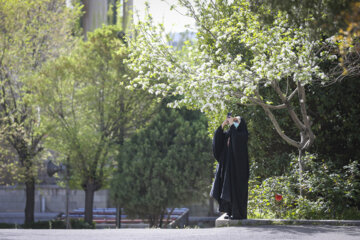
329	193
52	224
37	225
57	224
60	224
7	225
165	164
81	224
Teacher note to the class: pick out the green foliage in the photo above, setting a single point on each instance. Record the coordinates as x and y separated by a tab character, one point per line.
324	19
322	16
167	164
335	114
27	41
53	224
329	193
235	57
60	224
81	224
7	225
87	103
335	124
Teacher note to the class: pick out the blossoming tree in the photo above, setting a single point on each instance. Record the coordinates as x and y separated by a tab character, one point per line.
234	57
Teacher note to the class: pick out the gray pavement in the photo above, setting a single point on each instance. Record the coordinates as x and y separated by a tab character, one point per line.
293	232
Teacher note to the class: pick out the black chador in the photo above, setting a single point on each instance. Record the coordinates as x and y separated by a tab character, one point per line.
230	187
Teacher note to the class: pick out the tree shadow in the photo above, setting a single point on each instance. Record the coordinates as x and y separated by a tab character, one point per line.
307	229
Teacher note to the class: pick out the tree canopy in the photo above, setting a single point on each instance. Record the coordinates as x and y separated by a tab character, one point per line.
234	57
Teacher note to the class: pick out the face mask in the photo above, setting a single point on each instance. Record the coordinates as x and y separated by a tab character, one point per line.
236	124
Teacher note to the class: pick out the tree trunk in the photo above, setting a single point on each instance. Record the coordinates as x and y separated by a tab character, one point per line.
30	201
89	201
161	220
118	216
95	15
301	168
114	10
68	226
153	220
127	18
169	217
307	137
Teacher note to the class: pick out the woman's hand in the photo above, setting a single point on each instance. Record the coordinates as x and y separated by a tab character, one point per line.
226	122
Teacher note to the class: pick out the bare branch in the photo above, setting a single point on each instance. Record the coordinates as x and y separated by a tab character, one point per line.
301	95
291	111
261	103
258	101
278	128
277	107
292	95
306	120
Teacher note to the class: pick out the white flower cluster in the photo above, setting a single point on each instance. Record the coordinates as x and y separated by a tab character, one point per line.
244	54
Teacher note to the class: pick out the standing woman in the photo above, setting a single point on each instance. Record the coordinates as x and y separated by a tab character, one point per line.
230	187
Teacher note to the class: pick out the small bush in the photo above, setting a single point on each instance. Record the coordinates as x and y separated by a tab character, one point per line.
81	224
329	193
37	225
60	224
57	224
52	224
7	225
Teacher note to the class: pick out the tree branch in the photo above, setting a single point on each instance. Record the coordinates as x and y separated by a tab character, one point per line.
302	101
258	101
278	128
291	111
292	95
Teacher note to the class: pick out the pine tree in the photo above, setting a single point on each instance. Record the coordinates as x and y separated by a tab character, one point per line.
166	164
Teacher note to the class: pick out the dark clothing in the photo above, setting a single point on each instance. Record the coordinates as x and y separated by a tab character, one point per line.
230	187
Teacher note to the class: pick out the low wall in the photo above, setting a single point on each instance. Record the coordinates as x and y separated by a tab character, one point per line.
48	198
51	200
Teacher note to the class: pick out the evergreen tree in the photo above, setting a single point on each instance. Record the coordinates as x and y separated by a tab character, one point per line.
167	164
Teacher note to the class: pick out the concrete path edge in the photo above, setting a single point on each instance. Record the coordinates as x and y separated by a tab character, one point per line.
222	222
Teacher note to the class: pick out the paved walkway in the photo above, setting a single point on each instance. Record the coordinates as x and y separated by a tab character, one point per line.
225	233
222	222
